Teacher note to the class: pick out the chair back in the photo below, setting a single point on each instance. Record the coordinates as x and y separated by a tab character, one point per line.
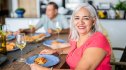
123	59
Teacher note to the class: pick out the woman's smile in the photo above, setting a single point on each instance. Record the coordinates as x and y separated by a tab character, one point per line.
81	27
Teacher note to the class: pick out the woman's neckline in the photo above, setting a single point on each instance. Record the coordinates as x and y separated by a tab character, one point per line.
86	40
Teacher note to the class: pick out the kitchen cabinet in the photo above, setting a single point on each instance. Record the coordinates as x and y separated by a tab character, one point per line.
30	7
3	10
20	23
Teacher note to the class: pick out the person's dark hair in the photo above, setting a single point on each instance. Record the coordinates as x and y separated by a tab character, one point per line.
54	4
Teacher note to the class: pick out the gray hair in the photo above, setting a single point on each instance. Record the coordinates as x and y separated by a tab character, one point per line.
73	31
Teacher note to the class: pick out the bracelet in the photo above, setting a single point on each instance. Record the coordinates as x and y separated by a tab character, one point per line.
51	68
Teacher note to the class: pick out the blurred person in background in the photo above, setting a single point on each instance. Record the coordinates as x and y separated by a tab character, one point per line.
88	48
50	19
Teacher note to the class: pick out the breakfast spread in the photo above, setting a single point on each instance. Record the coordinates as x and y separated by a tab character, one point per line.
40	60
33	38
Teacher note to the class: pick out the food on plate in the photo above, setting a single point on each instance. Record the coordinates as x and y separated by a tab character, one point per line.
40	60
33	38
38	36
59	45
28	39
55	42
10	46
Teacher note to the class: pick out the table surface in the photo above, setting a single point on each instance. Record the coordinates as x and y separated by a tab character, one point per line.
30	50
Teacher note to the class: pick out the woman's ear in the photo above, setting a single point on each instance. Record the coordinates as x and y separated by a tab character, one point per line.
94	21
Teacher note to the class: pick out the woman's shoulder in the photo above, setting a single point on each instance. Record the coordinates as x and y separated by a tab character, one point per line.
98	35
100	39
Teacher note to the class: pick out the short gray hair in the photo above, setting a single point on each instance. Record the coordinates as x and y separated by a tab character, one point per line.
73	32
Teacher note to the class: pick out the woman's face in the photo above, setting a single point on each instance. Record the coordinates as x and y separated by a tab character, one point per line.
83	21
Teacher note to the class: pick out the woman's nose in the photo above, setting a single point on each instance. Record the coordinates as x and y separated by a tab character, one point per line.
81	21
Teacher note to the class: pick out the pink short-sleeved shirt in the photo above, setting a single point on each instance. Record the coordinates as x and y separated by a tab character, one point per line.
97	40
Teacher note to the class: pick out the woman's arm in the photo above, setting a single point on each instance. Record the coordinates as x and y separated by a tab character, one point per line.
91	58
38	67
59	51
63	50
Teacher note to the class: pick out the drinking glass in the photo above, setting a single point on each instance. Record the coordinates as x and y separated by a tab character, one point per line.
31	27
58	29
21	43
5	28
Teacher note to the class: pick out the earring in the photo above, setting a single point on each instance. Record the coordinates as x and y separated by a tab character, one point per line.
93	28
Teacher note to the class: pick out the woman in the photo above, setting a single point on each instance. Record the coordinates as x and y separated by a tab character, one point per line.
89	49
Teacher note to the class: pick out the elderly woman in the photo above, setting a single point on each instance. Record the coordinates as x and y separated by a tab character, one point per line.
89	49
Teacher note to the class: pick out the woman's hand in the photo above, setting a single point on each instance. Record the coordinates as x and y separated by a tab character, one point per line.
48	51
37	67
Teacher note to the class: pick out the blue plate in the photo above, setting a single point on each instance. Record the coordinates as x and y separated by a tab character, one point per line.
51	59
47	34
3	58
48	42
10	37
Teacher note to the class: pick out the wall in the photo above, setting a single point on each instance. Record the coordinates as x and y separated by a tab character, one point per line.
10	5
111	1
116	30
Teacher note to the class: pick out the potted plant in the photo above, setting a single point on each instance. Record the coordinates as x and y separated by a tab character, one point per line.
20	12
120	9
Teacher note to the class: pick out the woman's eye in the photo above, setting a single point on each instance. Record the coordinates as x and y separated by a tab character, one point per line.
86	18
76	18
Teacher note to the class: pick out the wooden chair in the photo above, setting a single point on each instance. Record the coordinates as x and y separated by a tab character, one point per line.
121	65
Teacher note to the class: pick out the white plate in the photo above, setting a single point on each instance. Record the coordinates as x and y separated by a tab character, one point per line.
51	59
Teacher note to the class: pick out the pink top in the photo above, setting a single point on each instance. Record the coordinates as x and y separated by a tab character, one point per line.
96	40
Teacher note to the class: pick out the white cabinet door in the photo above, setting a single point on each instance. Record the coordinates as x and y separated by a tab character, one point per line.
20	23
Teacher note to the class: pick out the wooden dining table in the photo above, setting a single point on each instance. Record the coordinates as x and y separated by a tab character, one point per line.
30	50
